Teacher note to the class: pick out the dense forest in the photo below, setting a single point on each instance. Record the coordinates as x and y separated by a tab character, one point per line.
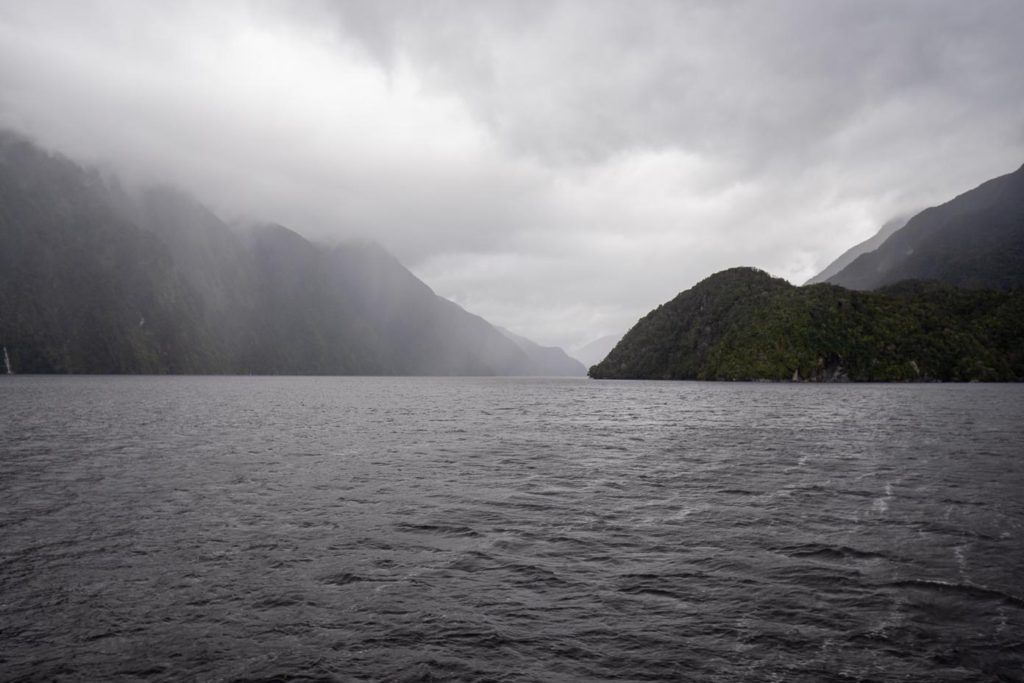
742	324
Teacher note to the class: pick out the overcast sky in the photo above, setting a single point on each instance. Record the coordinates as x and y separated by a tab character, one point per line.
559	168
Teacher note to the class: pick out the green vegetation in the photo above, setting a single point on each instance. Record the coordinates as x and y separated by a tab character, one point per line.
742	324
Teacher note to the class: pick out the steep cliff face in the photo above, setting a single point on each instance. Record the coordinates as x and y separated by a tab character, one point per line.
94	278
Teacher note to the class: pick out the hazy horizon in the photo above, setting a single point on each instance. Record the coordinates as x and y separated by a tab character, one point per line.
556	168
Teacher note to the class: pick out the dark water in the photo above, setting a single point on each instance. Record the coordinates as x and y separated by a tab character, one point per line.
497	529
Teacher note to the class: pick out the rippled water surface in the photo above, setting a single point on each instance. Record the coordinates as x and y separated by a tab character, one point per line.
509	529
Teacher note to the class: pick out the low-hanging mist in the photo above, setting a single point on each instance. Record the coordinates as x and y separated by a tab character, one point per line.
96	278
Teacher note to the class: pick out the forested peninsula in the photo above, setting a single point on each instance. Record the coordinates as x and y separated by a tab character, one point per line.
743	324
938	297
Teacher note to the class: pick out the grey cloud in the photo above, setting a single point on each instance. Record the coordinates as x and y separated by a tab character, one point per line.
559	167
752	81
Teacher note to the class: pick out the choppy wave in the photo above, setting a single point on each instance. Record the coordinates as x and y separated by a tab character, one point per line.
491	529
968	590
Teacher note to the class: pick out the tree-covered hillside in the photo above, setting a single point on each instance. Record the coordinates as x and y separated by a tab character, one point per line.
742	324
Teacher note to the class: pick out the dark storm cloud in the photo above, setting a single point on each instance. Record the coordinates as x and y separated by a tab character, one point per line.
558	167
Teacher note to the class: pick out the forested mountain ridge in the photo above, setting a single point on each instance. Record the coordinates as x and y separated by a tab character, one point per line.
975	240
742	324
98	279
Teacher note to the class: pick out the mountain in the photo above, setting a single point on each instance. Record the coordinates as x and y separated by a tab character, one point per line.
870	244
98	279
595	351
551	360
82	288
742	324
975	240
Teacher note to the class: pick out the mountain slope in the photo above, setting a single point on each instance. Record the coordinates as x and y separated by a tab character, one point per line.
82	289
94	278
975	240
550	359
742	324
848	256
595	351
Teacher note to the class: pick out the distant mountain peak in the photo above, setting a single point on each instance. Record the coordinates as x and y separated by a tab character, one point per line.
552	359
594	352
